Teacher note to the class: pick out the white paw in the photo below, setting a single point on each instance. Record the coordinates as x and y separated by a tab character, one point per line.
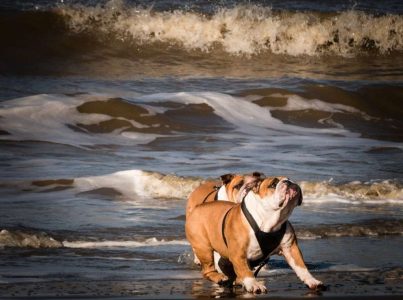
312	283
251	285
196	260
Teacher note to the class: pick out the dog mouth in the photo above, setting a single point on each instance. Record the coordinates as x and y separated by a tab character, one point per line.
291	192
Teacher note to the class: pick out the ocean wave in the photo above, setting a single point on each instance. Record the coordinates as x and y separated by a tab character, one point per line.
64	119
132	183
242	30
29	239
151	242
245	30
95	119
376	192
26	238
127	184
20	238
369	228
101	119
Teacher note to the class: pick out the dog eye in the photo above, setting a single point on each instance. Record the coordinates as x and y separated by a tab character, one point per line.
274	183
239	185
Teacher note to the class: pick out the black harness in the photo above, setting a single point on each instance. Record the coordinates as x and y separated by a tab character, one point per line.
268	241
215	190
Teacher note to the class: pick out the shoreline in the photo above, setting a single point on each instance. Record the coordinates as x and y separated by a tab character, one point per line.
339	285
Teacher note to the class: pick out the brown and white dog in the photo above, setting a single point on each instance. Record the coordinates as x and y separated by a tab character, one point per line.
223	227
230	188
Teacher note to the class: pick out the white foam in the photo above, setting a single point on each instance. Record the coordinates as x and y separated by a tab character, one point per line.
45	118
243	29
152	242
17	238
295	102
331	198
133	183
374	192
248	117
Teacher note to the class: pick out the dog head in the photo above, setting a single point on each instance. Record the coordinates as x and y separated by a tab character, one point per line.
279	193
236	185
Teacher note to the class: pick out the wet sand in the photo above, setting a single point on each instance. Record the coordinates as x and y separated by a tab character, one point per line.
358	285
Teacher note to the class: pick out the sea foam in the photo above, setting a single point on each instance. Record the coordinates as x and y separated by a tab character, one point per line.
92	119
54	118
132	183
148	184
151	242
243	29
22	239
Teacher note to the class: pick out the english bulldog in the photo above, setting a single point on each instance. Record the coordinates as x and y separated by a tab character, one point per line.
231	188
246	233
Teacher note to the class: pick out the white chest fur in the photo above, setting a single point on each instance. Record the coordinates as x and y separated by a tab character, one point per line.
254	252
267	220
222	194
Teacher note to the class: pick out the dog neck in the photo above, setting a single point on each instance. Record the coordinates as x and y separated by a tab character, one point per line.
267	218
222	193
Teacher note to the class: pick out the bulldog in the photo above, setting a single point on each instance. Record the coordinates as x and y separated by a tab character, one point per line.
231	188
245	234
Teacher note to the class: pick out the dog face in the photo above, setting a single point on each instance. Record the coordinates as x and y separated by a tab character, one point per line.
236	185
279	193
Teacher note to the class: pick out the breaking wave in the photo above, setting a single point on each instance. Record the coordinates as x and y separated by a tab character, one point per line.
246	30
243	29
151	242
38	239
86	120
386	191
93	119
141	183
366	228
27	239
131	183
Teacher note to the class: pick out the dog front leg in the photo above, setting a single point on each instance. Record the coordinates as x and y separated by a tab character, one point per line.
294	258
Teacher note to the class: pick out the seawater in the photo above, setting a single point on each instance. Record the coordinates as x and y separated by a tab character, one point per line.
112	112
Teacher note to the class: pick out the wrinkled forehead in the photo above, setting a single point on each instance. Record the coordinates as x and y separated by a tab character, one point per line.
268	186
237	180
244	180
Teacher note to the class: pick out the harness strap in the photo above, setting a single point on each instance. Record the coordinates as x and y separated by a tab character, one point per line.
268	241
223	227
215	190
249	216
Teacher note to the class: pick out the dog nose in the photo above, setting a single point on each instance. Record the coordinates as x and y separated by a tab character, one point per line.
287	182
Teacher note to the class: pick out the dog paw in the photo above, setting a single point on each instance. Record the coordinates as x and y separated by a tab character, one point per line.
251	285
196	260
313	284
219	278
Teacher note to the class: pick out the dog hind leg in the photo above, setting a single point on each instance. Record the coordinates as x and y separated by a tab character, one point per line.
209	271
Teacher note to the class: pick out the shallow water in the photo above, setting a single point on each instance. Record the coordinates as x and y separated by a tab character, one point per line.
111	114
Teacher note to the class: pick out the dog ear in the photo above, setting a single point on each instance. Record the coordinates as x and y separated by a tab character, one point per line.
257	174
300	200
226	178
256	185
